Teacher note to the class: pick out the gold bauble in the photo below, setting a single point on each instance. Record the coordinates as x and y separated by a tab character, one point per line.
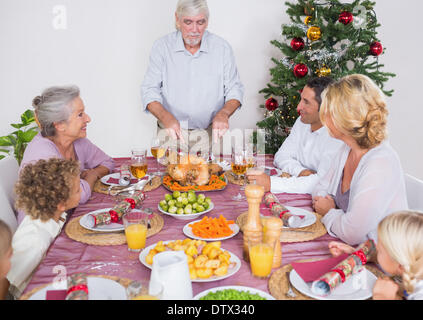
314	33
308	19
323	71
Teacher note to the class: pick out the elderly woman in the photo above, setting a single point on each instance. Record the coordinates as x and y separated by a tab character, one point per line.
60	113
366	180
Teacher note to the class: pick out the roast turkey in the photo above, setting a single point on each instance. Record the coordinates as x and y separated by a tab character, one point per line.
189	170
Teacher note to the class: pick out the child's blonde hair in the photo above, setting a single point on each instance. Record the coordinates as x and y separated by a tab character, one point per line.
5	238
401	233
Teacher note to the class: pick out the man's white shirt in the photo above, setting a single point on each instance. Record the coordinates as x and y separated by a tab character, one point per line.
304	149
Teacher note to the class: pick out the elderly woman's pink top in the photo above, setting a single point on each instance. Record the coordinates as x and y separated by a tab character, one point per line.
88	155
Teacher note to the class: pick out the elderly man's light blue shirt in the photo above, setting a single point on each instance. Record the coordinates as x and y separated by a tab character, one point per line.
192	87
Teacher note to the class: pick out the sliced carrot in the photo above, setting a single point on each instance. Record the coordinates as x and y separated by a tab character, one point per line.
212	227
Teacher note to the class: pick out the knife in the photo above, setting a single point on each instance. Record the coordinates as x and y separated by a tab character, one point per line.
103	233
300	231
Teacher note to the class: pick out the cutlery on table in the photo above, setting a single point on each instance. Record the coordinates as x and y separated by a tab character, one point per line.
290	293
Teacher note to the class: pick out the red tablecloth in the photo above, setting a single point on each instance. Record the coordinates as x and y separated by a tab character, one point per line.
118	261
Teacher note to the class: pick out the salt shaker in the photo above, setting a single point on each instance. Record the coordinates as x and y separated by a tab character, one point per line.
253	229
273	233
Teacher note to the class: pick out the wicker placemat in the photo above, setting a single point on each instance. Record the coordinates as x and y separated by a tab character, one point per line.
312	232
122	281
78	233
278	283
153	184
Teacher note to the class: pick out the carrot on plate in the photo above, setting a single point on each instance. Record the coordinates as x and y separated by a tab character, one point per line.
212	227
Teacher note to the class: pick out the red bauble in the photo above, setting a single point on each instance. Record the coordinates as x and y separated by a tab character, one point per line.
376	48
345	17
271	104
300	70
297	44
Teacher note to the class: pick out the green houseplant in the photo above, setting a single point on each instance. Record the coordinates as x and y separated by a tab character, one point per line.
19	139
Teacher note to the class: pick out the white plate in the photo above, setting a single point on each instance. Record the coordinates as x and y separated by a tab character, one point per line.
231	270
98	289
189	216
239	288
103	227
188	232
309	219
116	175
357	287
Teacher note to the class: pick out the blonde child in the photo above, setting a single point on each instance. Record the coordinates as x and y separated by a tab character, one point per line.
399	253
45	190
5	256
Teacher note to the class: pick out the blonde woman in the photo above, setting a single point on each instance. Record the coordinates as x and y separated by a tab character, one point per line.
366	180
399	252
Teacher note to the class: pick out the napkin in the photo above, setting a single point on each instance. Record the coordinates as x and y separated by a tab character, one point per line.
310	271
56	294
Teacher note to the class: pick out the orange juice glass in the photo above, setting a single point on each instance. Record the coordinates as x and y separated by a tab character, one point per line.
261	258
135	223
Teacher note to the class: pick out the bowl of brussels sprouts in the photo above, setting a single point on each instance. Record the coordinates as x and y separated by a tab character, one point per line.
185	205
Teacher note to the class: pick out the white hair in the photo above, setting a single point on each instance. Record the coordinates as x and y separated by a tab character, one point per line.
192	8
53	106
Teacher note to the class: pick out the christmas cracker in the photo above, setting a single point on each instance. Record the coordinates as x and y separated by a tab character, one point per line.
280	211
116	213
77	287
343	270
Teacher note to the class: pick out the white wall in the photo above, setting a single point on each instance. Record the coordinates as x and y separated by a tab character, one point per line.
105	49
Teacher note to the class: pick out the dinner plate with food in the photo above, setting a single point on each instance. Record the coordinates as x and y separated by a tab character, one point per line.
233	293
193	173
211	229
206	261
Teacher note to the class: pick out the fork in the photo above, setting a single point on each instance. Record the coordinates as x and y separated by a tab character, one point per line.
290	293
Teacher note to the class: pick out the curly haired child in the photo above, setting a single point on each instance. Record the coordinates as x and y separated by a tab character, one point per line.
399	252
5	256
45	190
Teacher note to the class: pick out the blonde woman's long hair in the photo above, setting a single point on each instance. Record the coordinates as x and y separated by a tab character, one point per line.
401	234
357	108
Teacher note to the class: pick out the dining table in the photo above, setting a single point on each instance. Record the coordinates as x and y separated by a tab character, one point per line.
69	256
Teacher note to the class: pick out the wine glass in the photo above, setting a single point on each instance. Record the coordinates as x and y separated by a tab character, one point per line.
250	160
158	151
138	165
239	167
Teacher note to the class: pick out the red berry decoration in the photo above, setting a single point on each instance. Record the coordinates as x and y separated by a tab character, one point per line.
376	48
300	70
345	17
297	44
271	104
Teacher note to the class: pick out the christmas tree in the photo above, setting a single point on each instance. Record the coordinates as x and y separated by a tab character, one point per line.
324	38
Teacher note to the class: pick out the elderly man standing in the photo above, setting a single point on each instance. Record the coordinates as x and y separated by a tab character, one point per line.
307	152
192	80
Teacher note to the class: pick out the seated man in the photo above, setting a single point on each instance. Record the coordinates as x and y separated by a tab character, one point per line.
307	152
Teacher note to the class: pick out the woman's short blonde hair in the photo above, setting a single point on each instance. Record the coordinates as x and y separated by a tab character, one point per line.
45	184
357	108
401	234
